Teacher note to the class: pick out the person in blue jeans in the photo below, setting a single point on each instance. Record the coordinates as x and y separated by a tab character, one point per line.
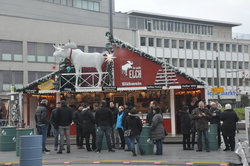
157	129
42	121
134	124
104	122
55	127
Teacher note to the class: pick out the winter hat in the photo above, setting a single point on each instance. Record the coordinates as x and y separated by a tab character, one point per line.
228	106
128	103
44	101
212	103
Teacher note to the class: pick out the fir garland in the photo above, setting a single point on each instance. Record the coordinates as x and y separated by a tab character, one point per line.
121	44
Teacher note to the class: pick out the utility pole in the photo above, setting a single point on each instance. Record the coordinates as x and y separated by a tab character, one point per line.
218	75
111	16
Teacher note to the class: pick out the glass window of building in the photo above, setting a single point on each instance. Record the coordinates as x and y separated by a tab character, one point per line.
245	49
215	81
181	44
202	63
155	24
208	46
96	49
228	81
239	48
182	62
11	78
234	64
170	26
189	63
234	81
215	48
166	43
209	81
191	28
222	81
202	46
233	47
174	43
11	50
247	82
221	47
203	78
228	64
246	65
69	2
34	75
140	22
158	42
132	22
151	42
227	47
203	30
143	41
40	52
209	64
177	27
240	65
184	28
174	62
195	45
188	44
222	64
196	63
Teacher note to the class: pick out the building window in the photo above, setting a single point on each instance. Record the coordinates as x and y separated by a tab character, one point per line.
40	52
209	81
203	78
158	42
181	44
247	82
233	48
246	65
196	63
228	65
174	61
9	78
34	75
240	65
182	62
202	63
166	43
222	47
189	63
11	50
234	64
227	47
228	81
143	41
239	48
96	49
222	81
174	43
191	28
195	45
140	23
235	82
151	42
132	22
202	46
208	46
222	64
188	44
209	64
215	47
245	49
215	81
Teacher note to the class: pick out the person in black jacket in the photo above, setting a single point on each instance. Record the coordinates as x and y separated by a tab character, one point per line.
229	118
128	107
89	127
185	120
42	122
114	133
63	120
150	114
77	118
216	120
133	123
104	122
53	123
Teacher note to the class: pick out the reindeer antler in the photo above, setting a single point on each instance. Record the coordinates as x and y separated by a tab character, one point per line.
70	45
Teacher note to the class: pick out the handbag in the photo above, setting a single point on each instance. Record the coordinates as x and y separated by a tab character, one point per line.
127	133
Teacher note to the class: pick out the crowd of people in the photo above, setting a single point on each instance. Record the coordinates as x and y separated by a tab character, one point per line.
123	126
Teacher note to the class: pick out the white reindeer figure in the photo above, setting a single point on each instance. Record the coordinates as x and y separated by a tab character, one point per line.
127	66
80	59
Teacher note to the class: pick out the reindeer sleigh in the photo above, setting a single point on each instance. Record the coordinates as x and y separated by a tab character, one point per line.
82	59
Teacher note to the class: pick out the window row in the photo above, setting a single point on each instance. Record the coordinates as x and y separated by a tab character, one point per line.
226	81
196	63
83	4
195	45
169	26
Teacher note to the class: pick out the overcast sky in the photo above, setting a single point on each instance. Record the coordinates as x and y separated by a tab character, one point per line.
236	11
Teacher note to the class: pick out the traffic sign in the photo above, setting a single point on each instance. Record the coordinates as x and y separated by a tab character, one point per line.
217	90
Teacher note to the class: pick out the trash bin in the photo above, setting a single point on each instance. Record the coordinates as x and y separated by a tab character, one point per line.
21	132
31	150
7	138
212	137
146	141
104	141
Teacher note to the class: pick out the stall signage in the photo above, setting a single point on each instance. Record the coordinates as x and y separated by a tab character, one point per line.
30	91
47	85
188	85
217	90
65	89
131	69
154	87
109	88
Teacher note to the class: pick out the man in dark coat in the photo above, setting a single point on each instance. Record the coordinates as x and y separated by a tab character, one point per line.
104	122
216	120
201	116
185	120
229	118
89	127
77	118
114	133
53	123
128	107
42	122
150	114
64	120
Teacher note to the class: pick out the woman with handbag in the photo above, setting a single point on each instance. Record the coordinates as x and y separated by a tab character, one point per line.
157	129
133	129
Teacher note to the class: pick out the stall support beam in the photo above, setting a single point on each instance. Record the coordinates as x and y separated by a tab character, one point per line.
20	103
58	97
172	106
